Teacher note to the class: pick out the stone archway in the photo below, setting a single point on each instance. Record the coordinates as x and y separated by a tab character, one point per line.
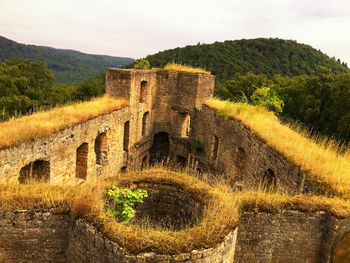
38	170
160	147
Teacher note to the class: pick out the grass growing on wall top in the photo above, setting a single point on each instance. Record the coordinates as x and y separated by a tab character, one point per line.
220	217
28	128
322	160
179	67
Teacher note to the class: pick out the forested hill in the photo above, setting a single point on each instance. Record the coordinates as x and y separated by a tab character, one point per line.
266	56
68	66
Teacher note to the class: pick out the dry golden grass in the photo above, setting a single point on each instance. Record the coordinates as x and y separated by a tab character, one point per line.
179	67
88	201
36	195
41	124
321	161
274	202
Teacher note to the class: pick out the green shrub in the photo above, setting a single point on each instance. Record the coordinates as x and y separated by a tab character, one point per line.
121	202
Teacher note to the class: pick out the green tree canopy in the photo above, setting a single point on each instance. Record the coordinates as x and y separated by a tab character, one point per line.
24	85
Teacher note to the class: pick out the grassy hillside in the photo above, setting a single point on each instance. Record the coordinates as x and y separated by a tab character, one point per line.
266	56
68	66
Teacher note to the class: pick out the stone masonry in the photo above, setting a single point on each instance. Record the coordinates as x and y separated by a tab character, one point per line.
166	112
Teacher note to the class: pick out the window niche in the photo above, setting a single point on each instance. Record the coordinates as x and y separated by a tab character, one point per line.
101	149
241	160
82	161
215	147
143	91
126	136
185	122
145	124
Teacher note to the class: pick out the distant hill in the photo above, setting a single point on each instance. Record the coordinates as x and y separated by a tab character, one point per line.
261	55
68	66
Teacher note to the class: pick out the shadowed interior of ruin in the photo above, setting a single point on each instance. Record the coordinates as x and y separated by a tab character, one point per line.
38	170
167	206
160	148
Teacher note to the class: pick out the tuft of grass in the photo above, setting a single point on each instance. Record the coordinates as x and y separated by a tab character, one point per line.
28	128
320	158
184	68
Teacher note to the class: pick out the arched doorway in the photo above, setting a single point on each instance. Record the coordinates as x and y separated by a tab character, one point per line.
38	170
82	161
160	147
241	160
269	180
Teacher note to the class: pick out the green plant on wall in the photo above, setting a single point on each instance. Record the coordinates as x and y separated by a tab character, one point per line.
121	202
197	145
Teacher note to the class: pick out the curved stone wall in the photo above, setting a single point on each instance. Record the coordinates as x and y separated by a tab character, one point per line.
168	206
88	245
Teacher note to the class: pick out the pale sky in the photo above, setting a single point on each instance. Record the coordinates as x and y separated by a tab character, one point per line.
135	29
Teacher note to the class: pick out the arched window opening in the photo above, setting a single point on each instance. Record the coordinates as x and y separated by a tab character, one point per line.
144	163
143	91
38	171
101	149
123	169
269	180
82	161
126	136
215	147
241	160
185	120
145	121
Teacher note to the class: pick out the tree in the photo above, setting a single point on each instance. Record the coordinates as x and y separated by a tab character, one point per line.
24	85
142	64
265	96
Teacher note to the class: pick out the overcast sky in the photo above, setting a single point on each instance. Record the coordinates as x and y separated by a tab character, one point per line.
135	29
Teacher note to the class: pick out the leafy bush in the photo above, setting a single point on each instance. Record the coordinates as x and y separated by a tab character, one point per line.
265	96
121	202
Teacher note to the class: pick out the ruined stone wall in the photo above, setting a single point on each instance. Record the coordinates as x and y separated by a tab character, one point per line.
86	244
289	236
60	150
157	101
240	154
28	236
171	99
175	98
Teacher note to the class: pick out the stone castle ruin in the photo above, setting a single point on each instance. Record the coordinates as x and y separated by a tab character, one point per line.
166	113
